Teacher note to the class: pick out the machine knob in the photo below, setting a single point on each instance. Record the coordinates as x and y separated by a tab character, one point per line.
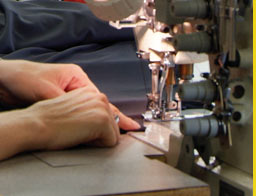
200	42
203	91
113	10
202	127
190	9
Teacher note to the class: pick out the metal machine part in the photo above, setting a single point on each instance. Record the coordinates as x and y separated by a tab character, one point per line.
186	71
195	8
202	127
196	42
231	79
203	91
154	41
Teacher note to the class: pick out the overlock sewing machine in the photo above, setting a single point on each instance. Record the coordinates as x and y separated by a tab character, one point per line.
214	141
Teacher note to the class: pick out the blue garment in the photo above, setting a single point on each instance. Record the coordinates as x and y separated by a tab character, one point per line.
66	32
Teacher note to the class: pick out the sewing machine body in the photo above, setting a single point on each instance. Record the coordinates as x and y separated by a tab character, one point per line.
224	160
215	145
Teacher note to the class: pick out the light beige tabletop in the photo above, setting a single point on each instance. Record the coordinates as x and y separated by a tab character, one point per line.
122	170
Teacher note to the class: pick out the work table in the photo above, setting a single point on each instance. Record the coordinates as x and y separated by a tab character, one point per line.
130	168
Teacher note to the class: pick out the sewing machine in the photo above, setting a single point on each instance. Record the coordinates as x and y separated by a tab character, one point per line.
214	141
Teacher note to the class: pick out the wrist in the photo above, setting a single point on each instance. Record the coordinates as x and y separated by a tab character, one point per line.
20	130
37	132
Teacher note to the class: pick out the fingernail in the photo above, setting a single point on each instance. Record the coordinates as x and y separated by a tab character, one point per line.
136	125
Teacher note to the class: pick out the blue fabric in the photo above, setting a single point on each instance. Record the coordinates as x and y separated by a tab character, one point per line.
66	32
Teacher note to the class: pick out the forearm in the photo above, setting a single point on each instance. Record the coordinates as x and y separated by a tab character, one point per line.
14	125
19	131
7	69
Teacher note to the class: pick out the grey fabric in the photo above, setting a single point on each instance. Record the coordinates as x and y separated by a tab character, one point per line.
66	32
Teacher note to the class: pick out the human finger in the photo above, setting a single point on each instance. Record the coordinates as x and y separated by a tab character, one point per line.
125	122
79	78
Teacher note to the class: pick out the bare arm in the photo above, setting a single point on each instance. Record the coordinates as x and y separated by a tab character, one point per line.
68	109
28	82
77	117
19	131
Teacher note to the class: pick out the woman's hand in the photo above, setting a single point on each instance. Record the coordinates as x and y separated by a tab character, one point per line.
77	117
25	82
28	82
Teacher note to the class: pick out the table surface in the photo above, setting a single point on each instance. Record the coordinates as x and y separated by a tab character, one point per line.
122	170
